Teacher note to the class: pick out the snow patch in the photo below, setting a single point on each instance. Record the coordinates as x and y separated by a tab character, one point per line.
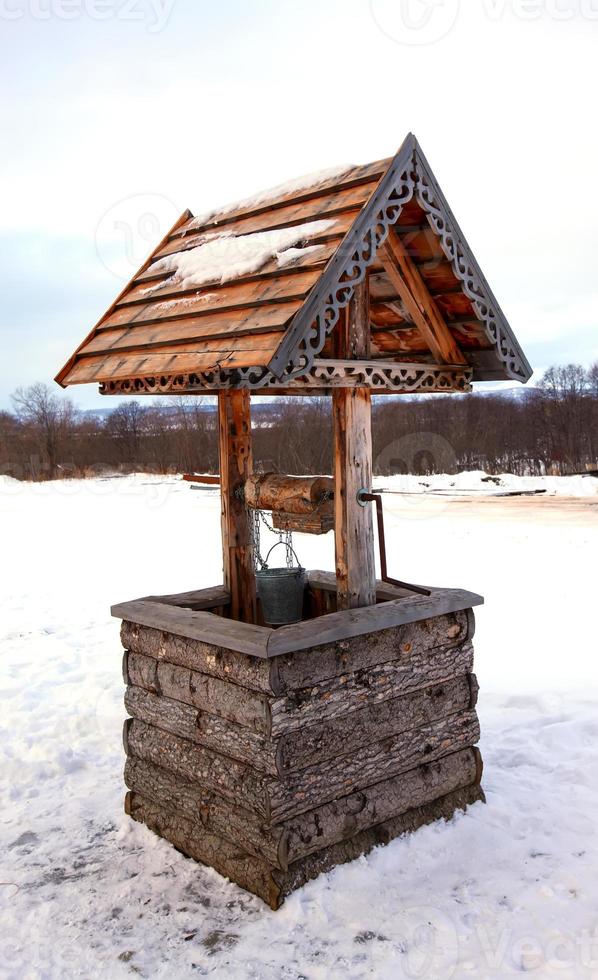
225	257
87	892
181	303
311	181
292	255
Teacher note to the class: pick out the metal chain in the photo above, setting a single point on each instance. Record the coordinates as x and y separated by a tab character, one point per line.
254	518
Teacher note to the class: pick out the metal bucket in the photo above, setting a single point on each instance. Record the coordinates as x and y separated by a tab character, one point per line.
280	591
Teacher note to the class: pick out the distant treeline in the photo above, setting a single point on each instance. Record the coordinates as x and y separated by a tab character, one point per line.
552	428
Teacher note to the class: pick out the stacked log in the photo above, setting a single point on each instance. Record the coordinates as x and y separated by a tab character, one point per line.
272	771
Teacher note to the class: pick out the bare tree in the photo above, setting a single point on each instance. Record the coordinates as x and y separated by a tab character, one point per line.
53	420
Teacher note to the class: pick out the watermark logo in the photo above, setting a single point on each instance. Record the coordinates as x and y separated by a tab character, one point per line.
415	22
153	13
416	452
409	461
130	229
421	22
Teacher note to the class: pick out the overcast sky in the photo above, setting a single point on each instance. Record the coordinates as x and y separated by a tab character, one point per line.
118	114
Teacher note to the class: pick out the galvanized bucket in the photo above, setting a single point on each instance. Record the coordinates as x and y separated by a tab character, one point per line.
281	592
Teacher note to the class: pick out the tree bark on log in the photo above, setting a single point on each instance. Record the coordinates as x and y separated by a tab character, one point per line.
315	743
349	692
322	663
277	799
282	844
208	730
239	668
290	494
296	670
209	694
255	875
306	746
275	716
329	780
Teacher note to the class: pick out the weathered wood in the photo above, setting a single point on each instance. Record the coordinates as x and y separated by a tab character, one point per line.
196	599
302	667
217	734
341	819
357	622
349	692
354	528
305	746
311	744
166	644
251	709
275	715
319	522
233	780
277	799
353	328
423	310
236	465
256	875
260	641
203	626
333	778
284	843
291	494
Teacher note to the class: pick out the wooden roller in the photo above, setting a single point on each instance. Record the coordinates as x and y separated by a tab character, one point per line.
289	494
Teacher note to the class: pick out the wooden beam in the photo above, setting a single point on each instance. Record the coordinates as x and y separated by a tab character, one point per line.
236	465
353	330
353	524
407	280
352	417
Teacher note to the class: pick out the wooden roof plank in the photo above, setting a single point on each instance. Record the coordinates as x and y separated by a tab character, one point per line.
162	285
227	213
62	374
115	367
253	320
320	208
204	302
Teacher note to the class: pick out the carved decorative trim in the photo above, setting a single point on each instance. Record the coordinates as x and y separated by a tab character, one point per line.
443	224
380	376
307	334
295	364
408	177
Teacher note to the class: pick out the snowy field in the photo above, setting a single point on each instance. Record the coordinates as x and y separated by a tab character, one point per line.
509	887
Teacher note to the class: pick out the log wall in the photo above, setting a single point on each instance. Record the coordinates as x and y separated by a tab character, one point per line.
272	771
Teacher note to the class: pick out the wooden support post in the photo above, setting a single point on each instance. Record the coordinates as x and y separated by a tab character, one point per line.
352	416
236	465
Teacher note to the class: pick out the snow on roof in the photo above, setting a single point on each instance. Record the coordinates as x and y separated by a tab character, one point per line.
311	181
225	257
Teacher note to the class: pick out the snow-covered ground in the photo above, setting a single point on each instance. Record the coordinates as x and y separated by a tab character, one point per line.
508	887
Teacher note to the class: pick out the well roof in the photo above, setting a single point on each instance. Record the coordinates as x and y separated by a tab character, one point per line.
249	295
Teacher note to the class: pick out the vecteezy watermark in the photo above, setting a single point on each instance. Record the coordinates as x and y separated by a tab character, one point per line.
419	22
154	13
129	229
415	22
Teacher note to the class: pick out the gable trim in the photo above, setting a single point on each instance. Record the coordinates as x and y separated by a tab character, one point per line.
409	176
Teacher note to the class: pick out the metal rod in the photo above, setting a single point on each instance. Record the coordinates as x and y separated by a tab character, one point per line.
363	496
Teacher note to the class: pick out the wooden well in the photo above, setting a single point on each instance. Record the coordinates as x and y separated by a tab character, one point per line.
275	754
